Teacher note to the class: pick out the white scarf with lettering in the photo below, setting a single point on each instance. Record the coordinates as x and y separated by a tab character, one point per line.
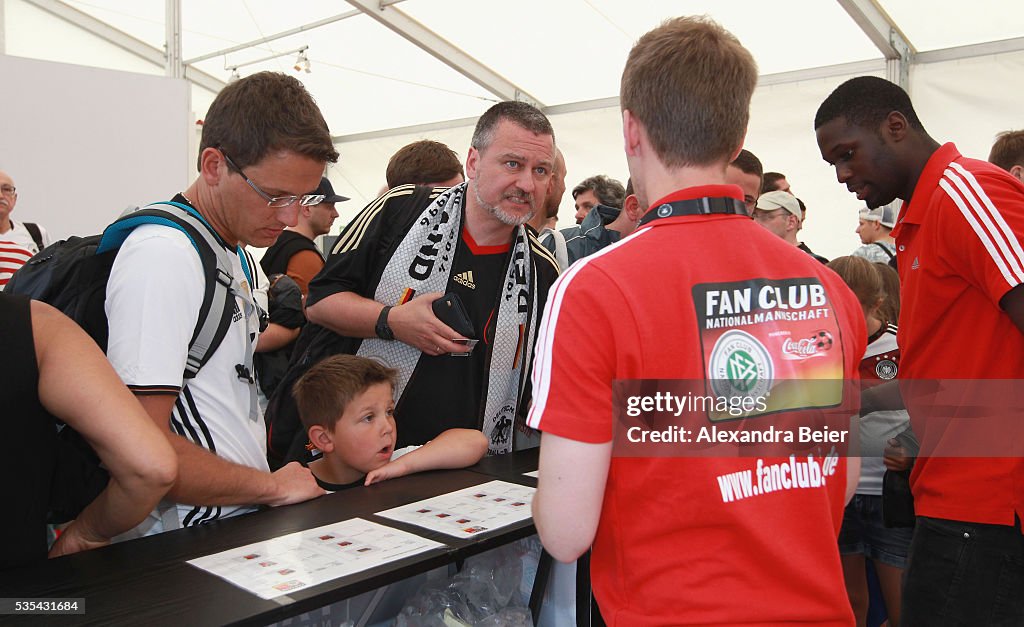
423	262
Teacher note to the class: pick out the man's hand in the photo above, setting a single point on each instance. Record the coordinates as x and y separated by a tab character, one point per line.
76	538
896	457
295	484
390	470
415	324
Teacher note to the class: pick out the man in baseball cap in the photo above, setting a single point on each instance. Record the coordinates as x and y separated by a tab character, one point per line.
295	252
781	213
873	227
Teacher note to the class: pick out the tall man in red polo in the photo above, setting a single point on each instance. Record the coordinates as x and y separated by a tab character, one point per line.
961	264
673	543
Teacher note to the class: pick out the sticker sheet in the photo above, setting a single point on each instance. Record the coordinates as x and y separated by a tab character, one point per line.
308	558
469	512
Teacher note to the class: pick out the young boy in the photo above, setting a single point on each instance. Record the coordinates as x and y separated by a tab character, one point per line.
347	406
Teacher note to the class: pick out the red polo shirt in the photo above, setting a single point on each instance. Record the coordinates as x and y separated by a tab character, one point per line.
959	252
673	545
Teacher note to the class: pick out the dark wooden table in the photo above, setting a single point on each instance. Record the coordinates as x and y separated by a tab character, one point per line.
148	582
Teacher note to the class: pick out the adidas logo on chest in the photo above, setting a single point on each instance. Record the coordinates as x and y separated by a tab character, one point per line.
466	279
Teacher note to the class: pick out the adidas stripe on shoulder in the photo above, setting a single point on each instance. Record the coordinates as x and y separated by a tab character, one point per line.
352	234
542	252
988	224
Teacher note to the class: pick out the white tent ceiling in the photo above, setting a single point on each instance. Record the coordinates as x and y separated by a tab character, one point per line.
365	75
386	72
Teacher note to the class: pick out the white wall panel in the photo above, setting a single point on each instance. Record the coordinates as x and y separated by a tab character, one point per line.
83	143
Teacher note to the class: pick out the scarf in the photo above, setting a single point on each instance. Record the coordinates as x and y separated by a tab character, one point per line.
422	263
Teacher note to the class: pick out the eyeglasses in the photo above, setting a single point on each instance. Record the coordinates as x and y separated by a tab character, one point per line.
277	202
8	190
760	215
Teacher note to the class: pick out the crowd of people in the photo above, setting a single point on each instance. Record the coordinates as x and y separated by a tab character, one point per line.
452	319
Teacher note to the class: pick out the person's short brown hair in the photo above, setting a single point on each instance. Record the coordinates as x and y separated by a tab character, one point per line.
265	112
769	181
323	393
521	113
862	278
748	163
609	192
423	162
689	82
1008	150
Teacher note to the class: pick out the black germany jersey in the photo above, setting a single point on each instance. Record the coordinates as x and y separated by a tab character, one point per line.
447	392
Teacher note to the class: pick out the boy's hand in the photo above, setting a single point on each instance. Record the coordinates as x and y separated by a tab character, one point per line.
390	470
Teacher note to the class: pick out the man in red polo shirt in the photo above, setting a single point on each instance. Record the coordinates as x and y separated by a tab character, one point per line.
961	268
701	295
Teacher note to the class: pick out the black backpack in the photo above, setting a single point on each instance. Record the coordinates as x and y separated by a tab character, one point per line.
286	438
71	275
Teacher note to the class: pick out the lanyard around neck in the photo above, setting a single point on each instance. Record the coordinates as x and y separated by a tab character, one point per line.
695	207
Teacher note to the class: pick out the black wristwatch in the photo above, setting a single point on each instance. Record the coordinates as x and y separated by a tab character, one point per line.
382	329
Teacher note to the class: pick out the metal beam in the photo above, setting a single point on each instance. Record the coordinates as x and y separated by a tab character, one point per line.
204	80
829	71
973	50
102	30
443	50
583	105
268	38
877	25
898	70
172	23
123	40
825	71
416	129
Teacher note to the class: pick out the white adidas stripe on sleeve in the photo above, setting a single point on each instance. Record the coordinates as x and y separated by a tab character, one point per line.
986	221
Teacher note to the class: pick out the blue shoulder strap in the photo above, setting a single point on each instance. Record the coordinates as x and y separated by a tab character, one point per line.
115	234
218	303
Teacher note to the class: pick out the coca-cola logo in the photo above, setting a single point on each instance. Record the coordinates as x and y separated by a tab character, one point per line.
804	347
813	346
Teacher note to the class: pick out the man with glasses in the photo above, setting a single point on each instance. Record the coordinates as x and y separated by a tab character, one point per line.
781	213
262	154
25	234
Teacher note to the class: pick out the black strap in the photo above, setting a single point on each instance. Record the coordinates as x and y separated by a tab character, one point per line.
695	207
885	248
275	260
37	235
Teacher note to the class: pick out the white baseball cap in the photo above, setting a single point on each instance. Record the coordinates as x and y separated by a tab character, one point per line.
886	214
771	201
